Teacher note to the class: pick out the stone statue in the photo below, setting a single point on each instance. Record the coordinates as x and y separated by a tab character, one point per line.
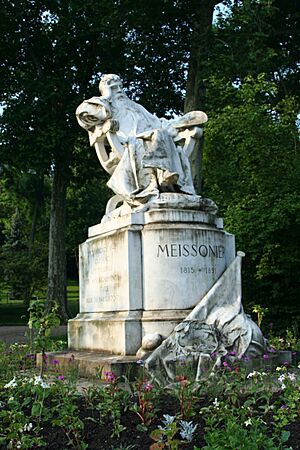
171	287
145	156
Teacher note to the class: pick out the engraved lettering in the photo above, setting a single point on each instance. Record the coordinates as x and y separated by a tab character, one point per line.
186	250
203	250
212	251
194	250
174	253
175	250
162	249
221	251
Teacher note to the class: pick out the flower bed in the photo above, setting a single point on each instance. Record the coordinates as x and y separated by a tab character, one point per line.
230	409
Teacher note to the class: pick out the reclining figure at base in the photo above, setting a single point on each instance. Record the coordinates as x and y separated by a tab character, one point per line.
144	155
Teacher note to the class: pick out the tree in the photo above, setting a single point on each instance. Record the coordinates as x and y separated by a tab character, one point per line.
252	166
53	54
200	51
52	51
23	250
252	171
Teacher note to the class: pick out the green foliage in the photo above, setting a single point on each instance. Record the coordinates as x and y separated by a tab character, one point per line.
184	391
257	309
166	435
237	409
257	185
147	398
111	402
23	254
288	341
64	414
42	322
251	155
259	36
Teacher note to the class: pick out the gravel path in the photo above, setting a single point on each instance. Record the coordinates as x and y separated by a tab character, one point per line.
13	334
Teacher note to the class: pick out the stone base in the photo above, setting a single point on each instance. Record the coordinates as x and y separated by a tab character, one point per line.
142	273
91	364
120	333
94	364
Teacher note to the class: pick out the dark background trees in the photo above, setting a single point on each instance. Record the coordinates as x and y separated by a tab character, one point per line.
251	163
172	58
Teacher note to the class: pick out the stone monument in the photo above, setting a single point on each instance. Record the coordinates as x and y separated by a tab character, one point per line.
159	272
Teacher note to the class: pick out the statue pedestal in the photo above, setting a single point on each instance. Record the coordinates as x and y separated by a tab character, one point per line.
143	273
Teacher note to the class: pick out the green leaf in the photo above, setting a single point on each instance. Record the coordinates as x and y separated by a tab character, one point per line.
285	435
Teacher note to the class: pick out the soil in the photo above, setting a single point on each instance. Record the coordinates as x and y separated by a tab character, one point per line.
98	434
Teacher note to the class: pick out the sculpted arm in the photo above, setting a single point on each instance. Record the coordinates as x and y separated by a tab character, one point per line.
93	112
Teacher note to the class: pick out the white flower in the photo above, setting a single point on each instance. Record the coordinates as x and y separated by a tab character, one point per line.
216	403
38	380
283	386
12	383
256	374
28	426
253	374
248	422
292	376
281	378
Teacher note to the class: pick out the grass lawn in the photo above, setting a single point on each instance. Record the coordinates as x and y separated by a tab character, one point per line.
13	312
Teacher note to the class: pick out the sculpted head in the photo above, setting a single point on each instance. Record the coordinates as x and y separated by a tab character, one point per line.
110	85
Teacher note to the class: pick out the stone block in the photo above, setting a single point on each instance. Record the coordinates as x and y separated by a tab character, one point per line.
117	332
110	276
142	273
91	364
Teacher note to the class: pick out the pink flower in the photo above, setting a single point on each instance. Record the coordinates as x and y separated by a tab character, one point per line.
110	377
61	378
147	387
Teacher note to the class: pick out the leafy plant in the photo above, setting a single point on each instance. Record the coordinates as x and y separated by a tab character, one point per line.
165	435
184	391
42	321
113	401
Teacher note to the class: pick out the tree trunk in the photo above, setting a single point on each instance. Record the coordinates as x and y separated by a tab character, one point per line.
38	201
57	276
195	87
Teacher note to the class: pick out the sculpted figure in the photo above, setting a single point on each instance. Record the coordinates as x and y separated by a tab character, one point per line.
144	155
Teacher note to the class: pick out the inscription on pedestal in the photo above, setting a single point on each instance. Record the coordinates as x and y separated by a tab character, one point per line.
181	265
104	272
